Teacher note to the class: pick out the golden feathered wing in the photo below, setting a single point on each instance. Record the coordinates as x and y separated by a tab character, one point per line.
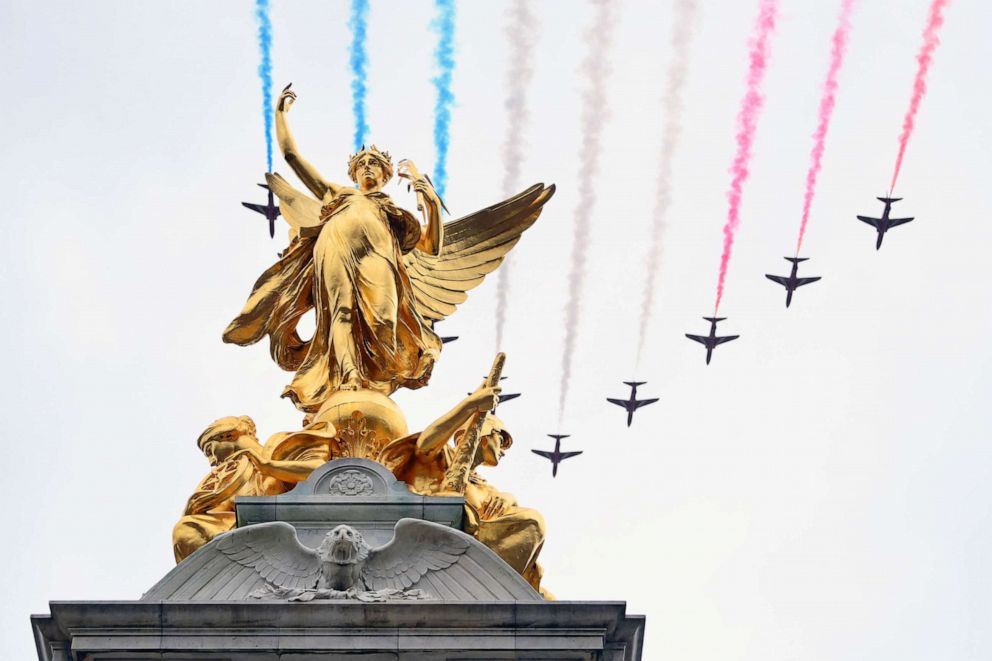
296	207
473	246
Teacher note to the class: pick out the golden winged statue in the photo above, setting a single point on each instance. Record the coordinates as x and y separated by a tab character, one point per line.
376	278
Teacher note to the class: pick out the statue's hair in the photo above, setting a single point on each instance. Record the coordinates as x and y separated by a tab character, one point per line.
227	429
382	156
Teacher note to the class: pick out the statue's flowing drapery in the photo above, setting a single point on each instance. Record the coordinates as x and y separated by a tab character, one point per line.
358	262
349	269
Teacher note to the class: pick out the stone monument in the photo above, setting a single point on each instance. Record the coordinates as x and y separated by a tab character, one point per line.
351	538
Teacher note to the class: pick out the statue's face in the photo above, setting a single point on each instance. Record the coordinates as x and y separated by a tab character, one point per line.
492	449
220	449
370	173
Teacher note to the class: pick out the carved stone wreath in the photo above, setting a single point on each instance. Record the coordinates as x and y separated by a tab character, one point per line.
350	483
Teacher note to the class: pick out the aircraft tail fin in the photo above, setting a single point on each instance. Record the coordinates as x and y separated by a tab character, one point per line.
889	200
634	384
714	320
265	186
796	260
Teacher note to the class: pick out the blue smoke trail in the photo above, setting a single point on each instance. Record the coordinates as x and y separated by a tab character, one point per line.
265	72
359	60
444	56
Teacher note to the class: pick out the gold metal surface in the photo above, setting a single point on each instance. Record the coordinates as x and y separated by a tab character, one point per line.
377	280
514	533
457	474
375	277
239	466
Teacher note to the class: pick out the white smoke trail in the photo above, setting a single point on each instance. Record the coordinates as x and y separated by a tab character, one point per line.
595	69
521	33
682	29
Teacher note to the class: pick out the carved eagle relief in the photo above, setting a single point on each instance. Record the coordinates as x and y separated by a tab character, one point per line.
424	560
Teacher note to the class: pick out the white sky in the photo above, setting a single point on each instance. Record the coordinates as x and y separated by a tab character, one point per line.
821	491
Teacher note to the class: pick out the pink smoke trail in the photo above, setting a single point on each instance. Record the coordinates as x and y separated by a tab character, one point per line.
827	102
747	120
930	41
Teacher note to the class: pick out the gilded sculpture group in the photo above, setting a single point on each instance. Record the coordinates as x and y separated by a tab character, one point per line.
377	281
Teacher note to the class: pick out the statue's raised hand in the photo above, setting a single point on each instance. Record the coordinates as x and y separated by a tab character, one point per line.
484	399
286	99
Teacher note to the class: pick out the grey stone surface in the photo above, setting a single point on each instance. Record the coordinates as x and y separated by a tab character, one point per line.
424	560
450	631
357	492
481	609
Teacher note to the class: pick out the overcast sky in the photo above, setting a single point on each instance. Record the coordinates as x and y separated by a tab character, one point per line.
821	491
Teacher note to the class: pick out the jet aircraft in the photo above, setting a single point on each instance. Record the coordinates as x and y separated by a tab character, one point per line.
633	403
502	397
444	340
883	224
269	210
556	456
792	281
711	341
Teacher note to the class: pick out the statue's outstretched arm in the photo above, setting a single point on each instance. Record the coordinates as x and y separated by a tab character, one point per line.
286	471
433	438
305	170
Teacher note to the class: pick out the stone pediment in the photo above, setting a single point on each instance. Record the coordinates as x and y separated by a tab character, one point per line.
351	531
361	493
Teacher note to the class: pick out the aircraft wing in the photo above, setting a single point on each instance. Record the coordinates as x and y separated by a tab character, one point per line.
567	455
618	402
805	281
697	338
544	453
260	208
725	338
871	221
898	221
780	279
644	402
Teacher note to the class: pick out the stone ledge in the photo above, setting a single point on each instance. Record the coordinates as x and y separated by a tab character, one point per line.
586	631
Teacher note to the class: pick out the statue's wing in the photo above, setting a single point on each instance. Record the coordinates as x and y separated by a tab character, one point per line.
299	209
444	562
472	247
236	563
417	547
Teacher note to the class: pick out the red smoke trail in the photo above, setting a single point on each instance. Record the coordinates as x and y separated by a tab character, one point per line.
839	45
930	41
747	120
